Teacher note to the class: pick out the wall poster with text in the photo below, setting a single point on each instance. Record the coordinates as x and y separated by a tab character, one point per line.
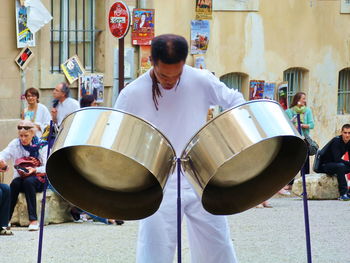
145	63
92	84
142	26
200	32
199	61
256	89
203	9
72	68
24	36
282	94
269	90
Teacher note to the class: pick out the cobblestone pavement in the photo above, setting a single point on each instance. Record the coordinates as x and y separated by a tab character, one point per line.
260	235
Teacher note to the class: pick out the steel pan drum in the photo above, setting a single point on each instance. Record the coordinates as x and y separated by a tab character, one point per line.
110	163
243	157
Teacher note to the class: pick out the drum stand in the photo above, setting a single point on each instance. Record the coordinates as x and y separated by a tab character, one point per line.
178	162
50	141
306	210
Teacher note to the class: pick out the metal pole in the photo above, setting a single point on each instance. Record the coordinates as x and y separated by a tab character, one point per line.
23	88
50	140
178	161
306	209
121	64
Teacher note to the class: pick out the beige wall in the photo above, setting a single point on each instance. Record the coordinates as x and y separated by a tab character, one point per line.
263	44
281	35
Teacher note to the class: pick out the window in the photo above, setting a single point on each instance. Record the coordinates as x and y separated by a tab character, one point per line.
233	80
344	91
73	32
294	76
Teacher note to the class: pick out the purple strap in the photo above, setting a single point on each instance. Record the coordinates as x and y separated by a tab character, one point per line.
306	210
50	141
178	160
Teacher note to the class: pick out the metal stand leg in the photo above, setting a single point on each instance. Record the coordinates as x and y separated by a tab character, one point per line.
178	161
43	201
306	209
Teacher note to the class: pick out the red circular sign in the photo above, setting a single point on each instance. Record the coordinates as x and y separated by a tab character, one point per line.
119	19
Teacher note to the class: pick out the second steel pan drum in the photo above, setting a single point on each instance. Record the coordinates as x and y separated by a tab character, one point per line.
243	157
110	163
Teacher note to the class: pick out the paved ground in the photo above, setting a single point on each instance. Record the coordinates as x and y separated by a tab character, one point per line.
260	235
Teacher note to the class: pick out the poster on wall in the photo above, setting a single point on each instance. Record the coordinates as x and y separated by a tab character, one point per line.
236	5
282	94
92	84
72	68
199	61
24	57
145	61
200	32
203	9
24	36
256	89
142	26
344	6
269	90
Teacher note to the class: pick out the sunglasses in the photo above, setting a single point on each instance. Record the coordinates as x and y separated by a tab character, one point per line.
24	127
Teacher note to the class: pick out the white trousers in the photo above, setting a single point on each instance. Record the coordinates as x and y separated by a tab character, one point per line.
209	235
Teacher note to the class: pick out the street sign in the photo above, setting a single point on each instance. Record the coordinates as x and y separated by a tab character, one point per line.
119	19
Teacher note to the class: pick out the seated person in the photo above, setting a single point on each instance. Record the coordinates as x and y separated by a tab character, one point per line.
4	210
331	161
31	179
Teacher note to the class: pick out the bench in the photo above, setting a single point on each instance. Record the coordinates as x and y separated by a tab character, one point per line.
57	210
318	186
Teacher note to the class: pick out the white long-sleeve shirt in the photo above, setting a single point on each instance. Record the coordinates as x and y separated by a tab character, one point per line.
182	110
65	108
42	118
15	150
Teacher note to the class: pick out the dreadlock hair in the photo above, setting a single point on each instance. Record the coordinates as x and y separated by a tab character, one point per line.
169	49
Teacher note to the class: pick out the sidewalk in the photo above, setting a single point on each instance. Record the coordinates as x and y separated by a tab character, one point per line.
260	235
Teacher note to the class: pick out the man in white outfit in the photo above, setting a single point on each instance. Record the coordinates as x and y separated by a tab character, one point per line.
175	98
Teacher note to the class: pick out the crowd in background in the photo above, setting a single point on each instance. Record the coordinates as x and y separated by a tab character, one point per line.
28	152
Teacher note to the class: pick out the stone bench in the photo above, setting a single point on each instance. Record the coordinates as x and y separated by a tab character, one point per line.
57	210
318	186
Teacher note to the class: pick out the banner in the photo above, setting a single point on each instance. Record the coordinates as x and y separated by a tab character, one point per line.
200	32
142	27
